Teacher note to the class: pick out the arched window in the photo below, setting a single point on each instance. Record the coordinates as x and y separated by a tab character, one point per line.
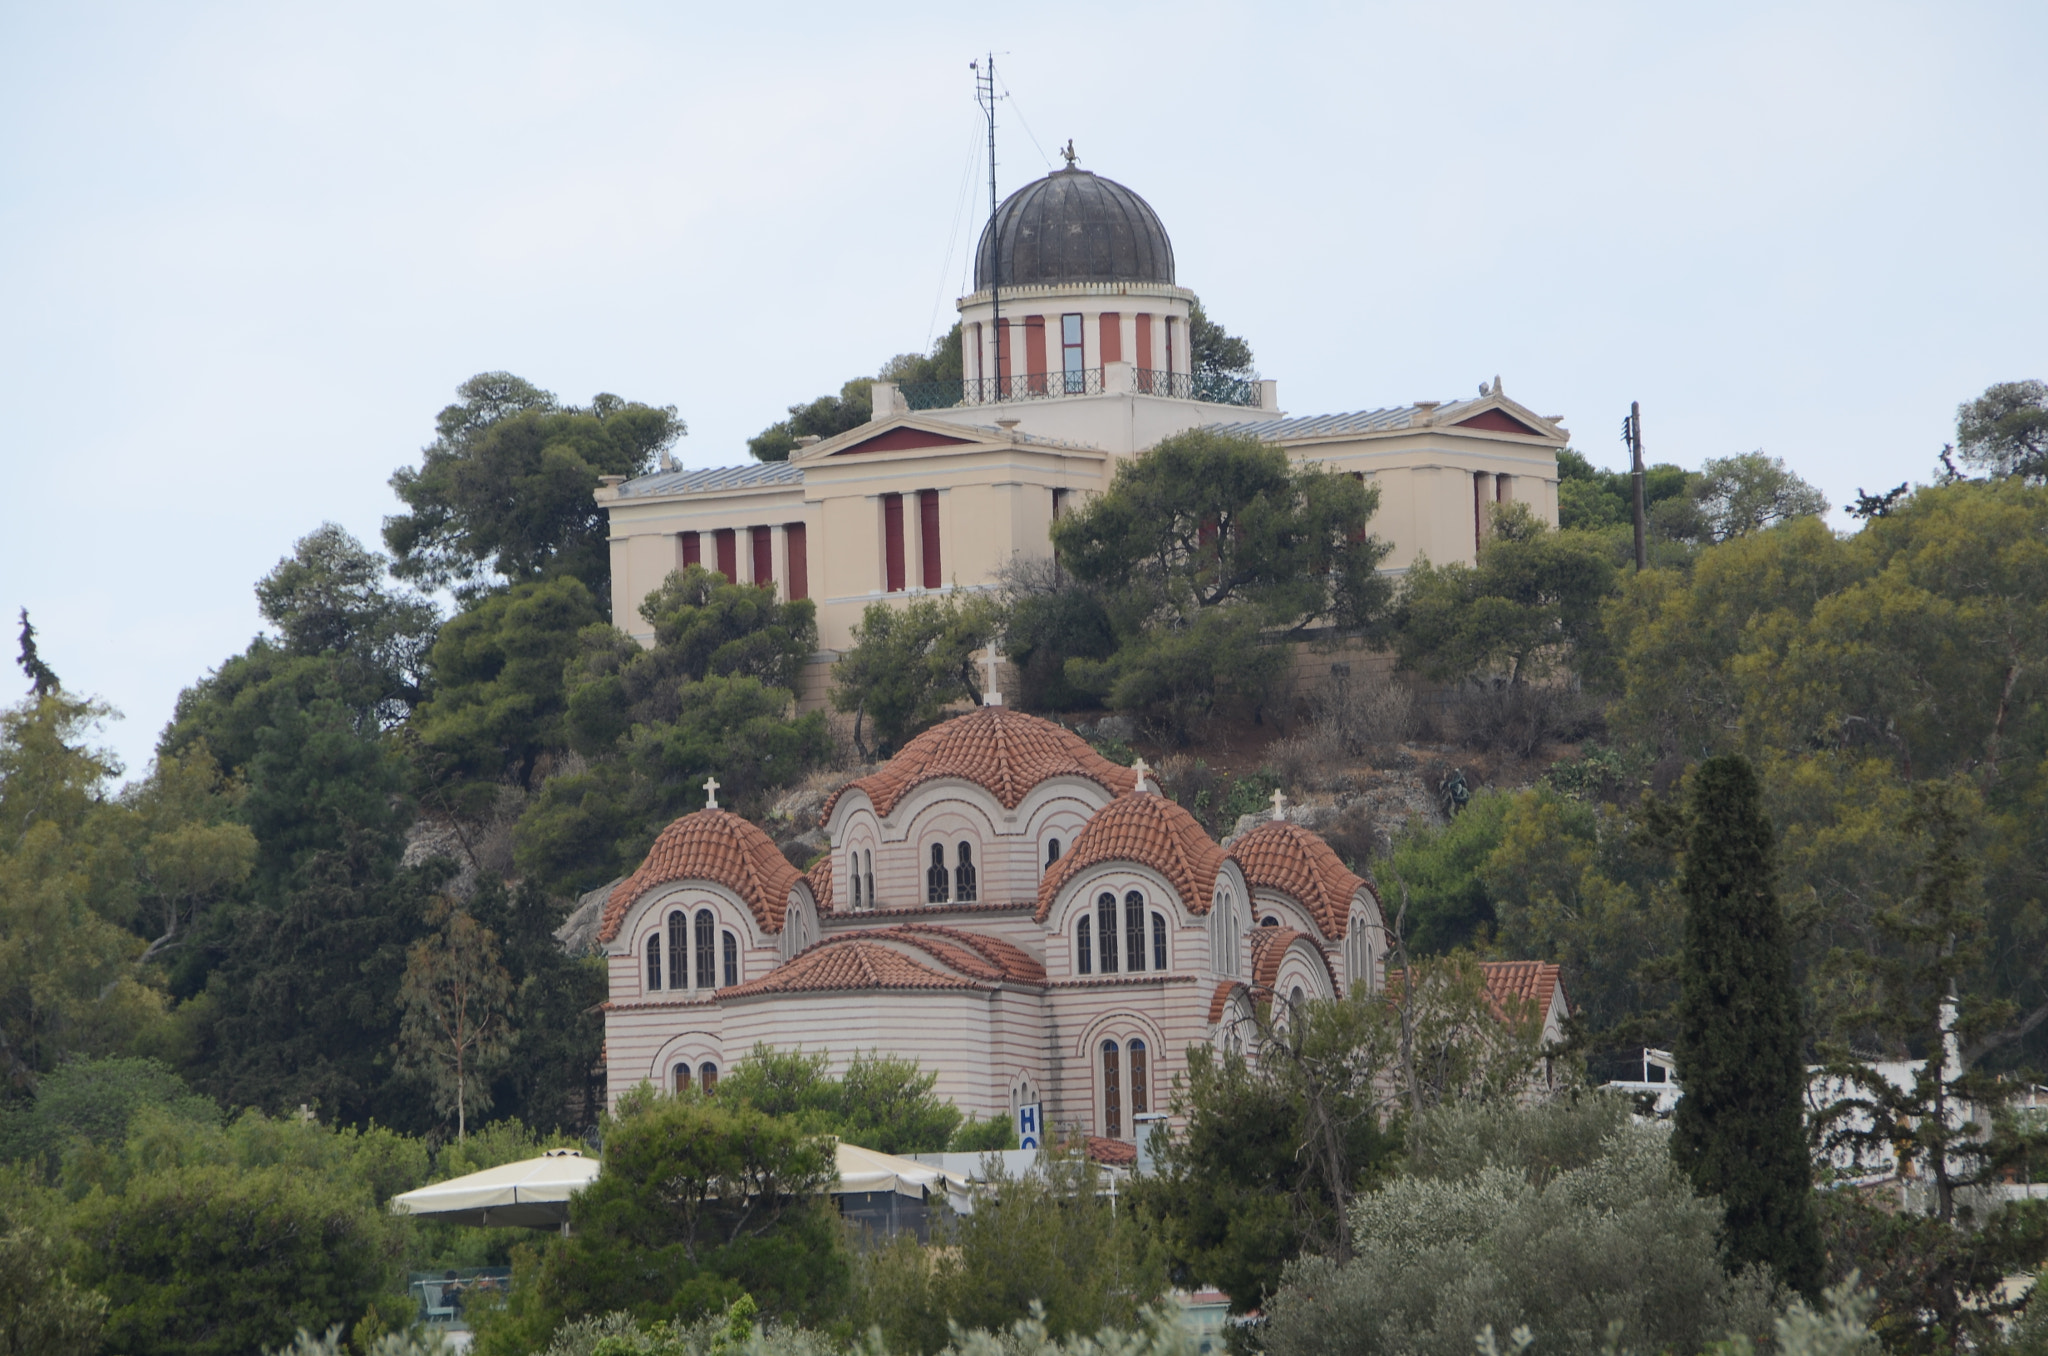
707	963
873	902
1134	931
1052	852
1141	1090
707	1076
853	869
678	950
653	963
1105	932
1269	921
1084	952
963	875
1112	1092
1294	997
937	881
1158	941
680	1079
732	960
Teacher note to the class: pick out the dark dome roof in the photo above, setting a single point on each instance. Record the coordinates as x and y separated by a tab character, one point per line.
1073	226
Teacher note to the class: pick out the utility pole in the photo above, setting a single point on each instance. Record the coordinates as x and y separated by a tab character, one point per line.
1632	434
985	95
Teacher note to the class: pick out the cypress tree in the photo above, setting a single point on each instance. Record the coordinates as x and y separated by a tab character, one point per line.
1739	1132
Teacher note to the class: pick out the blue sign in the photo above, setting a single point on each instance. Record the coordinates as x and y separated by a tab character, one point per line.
1027	1126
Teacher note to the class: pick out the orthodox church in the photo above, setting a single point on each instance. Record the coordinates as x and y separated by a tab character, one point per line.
1031	922
1076	351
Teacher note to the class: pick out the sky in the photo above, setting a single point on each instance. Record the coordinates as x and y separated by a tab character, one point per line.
247	251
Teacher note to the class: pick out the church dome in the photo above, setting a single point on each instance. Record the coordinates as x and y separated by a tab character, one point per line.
1288	858
1147	830
716	846
1004	752
1073	227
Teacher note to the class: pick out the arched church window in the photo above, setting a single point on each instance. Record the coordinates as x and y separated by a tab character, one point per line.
869	857
707	969
1084	951
1134	930
963	875
1294	997
732	960
679	1079
1112	1092
937	881
1141	1090
853	869
1158	941
707	1076
1052	852
653	964
1105	932
678	950
1269	921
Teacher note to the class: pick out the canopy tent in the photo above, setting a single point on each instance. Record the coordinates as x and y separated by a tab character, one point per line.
535	1192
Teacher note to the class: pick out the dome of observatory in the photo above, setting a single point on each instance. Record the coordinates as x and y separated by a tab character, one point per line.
1073	227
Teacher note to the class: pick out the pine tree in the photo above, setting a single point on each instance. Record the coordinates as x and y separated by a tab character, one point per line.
1739	1133
42	682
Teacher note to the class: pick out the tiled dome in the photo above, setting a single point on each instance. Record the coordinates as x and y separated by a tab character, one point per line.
1003	751
1288	858
715	846
909	957
1151	831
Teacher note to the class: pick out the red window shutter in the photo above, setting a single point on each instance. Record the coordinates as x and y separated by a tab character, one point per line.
693	550
799	566
1112	337
764	555
1034	352
728	553
892	540
1003	349
1144	340
928	535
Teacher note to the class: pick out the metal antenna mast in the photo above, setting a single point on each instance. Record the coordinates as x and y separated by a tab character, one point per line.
985	95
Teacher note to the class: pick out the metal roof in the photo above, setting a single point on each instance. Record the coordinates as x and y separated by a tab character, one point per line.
1073	226
1323	425
713	478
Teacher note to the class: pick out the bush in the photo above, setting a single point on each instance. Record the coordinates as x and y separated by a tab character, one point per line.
1564	1220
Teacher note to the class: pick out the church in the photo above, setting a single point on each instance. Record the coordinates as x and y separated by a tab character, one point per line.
1035	924
1075	345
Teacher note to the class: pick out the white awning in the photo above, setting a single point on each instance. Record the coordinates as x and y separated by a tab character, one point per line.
533	1192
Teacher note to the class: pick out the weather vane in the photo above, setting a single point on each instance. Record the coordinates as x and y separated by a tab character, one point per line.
1068	152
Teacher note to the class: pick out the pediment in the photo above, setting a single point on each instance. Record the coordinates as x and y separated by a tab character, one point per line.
902	438
1499	421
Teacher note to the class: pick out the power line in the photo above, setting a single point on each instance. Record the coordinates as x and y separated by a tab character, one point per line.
953	234
1026	126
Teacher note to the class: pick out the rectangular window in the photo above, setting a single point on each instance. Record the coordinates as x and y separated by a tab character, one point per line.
732	977
1134	931
1034	354
1143	361
1105	932
707	963
892	542
928	536
728	553
1084	947
1141	1099
1112	345
1158	941
1072	363
764	555
1112	1093
693	549
799	561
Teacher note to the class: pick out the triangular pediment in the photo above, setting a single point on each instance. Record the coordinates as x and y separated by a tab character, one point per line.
1497	420
902	438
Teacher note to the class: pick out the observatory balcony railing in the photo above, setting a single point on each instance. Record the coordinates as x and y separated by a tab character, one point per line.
1204	386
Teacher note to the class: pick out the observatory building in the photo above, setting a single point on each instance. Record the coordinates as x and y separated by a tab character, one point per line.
1075	347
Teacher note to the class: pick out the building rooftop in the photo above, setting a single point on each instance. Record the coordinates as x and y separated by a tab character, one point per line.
750	476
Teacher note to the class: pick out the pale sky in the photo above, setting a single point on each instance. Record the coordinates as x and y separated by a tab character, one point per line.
248	250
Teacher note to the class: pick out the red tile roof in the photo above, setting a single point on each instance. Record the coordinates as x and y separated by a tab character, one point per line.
715	846
1533	982
1003	751
1290	859
949	959
1220	1000
1112	1152
1152	831
820	879
1268	946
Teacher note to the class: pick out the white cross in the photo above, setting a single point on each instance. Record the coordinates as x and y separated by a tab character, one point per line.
711	793
989	696
1279	804
1143	772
